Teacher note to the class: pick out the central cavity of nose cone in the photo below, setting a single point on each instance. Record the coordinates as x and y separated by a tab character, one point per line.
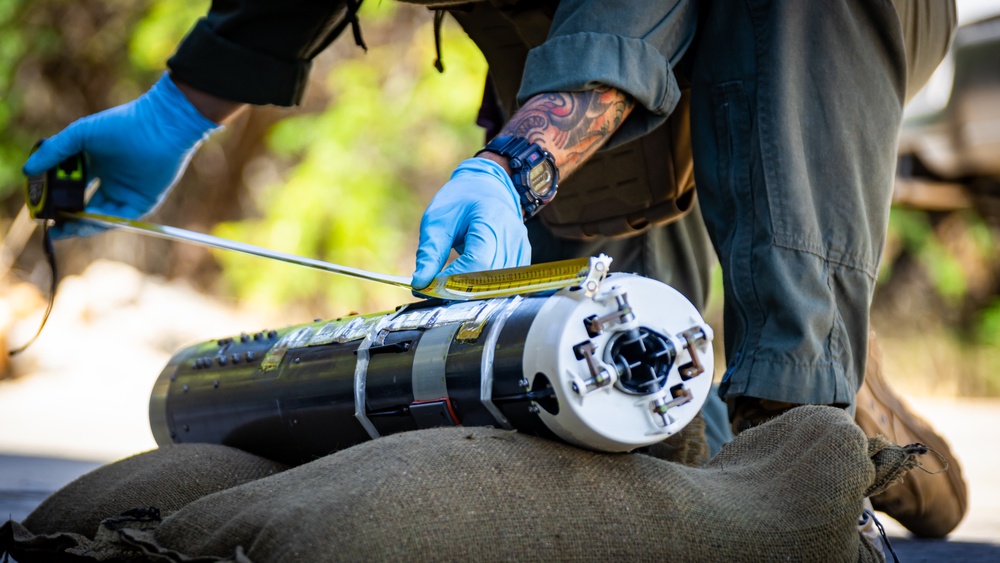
643	359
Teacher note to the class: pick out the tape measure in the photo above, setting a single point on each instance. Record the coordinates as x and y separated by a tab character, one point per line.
59	195
586	273
60	189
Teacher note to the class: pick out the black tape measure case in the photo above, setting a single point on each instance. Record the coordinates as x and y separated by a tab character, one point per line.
58	189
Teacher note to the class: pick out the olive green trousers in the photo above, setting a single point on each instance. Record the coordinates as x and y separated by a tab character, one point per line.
795	112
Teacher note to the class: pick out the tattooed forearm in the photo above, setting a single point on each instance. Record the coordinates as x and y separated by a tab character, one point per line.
571	125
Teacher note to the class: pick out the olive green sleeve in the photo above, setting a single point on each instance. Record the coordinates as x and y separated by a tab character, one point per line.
631	46
259	51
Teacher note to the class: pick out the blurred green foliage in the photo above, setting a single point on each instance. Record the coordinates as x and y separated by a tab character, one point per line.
60	60
157	34
14	42
915	233
989	324
344	179
956	253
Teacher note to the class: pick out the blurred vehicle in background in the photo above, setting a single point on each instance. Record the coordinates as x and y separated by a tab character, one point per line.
949	147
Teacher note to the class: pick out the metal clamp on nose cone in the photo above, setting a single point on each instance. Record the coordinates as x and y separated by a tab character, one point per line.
600	375
692	337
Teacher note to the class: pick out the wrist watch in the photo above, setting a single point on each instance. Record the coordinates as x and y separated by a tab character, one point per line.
532	169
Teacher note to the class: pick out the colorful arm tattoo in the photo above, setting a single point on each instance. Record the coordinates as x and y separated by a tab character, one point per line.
571	125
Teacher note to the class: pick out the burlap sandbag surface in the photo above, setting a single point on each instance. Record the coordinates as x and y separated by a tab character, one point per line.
791	489
167	478
145	486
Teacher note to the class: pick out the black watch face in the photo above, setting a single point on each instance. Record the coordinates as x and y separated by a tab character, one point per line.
541	179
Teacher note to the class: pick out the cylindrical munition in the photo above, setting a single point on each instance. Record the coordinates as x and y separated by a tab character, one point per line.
611	369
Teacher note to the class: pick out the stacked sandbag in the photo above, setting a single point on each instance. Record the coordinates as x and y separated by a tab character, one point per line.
791	489
148	485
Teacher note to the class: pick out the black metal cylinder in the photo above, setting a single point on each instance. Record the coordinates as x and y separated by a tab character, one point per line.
291	396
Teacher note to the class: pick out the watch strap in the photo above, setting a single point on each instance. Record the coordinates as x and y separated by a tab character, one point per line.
523	156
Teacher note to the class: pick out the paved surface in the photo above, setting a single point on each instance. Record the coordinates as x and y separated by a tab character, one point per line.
940	551
26	481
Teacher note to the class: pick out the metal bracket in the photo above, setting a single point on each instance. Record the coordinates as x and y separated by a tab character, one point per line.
690	337
595	325
600	376
661	406
600	266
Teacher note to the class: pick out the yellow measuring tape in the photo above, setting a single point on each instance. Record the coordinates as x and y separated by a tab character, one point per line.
584	272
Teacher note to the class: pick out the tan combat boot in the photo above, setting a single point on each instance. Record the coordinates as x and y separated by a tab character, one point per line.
931	501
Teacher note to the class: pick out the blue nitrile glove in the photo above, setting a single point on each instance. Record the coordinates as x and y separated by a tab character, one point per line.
478	213
139	150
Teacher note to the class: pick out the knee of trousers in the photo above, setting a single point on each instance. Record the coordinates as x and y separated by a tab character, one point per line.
796	327
794	170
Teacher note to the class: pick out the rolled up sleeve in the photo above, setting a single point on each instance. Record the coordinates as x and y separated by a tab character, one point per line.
631	46
258	51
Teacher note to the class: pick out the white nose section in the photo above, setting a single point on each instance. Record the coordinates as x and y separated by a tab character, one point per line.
629	365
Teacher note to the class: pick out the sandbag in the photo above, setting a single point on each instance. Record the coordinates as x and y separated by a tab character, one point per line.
789	489
167	479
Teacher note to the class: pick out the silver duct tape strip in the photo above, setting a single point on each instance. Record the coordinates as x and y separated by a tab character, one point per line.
461	312
486	367
467	312
426	318
413	320
345	330
361	371
294	339
429	359
332	330
358	330
473	313
472	328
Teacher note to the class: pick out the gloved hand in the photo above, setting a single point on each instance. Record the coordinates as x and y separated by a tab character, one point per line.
479	215
139	150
